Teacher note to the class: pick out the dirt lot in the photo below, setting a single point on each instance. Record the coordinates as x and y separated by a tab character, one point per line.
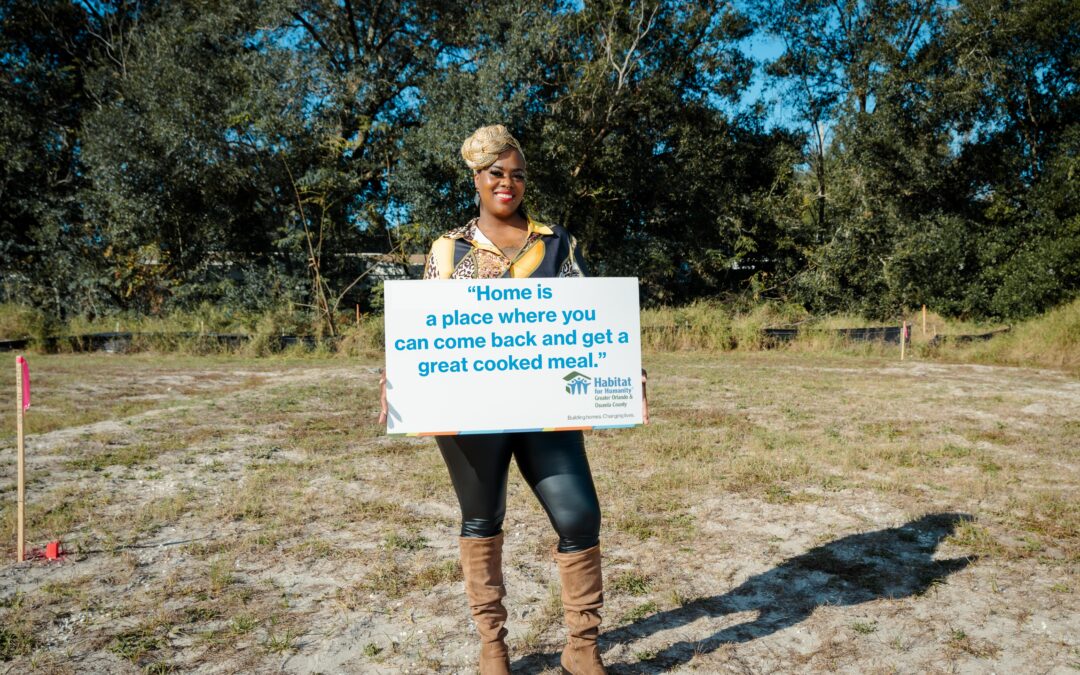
783	513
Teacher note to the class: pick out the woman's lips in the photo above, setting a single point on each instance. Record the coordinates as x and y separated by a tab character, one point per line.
504	196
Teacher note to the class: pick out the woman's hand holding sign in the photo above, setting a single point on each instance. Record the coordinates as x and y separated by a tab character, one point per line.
644	398
383	410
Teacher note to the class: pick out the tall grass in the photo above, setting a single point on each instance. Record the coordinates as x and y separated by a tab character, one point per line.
19	321
1051	340
206	318
192	332
713	326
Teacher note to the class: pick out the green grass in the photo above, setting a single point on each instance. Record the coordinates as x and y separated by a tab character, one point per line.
127	457
391	579
20	321
630	583
446	572
639	612
281	641
242	624
371	649
15	641
864	627
136	643
405	542
959	640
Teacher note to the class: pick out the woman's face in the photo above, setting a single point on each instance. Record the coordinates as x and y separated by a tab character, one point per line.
502	185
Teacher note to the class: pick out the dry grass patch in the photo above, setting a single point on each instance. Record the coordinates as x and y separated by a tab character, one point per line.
959	641
289	512
547	615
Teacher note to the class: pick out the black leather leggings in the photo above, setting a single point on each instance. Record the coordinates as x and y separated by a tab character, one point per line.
554	465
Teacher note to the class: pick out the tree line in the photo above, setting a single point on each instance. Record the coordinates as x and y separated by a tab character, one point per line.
155	155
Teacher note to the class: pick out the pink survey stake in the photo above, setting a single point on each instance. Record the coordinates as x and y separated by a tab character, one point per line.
25	382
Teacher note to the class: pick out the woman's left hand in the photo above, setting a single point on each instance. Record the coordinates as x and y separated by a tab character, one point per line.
383	409
644	398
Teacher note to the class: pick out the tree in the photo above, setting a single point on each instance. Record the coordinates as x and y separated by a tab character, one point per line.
941	121
43	48
1016	74
842	65
179	153
617	105
254	139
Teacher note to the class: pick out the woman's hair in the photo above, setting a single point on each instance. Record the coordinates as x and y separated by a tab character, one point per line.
486	144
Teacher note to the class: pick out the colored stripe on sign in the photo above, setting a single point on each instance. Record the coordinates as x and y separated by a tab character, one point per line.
510	431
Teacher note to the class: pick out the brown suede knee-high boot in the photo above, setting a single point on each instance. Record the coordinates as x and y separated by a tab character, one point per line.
582	597
481	565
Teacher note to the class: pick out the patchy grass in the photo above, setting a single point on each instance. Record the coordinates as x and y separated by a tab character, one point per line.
631	583
548	615
137	643
15	641
78	390
959	640
405	542
233	513
639	612
864	627
446	572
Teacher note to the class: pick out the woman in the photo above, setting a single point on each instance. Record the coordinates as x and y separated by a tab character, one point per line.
504	242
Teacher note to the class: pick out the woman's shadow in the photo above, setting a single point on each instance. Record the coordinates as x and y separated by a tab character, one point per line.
892	563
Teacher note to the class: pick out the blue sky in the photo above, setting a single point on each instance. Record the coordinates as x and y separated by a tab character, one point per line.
766	48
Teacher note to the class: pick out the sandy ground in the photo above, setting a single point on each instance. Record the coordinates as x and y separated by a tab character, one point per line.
271	528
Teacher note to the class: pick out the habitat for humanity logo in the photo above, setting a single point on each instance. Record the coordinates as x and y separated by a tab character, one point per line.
576	383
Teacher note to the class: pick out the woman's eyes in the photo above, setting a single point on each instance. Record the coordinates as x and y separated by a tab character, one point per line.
520	177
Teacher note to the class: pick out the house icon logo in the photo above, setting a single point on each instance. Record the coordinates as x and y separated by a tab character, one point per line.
576	383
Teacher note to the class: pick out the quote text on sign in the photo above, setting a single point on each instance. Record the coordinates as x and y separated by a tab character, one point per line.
483	331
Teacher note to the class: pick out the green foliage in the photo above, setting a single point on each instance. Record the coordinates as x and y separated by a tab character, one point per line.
942	144
159	157
616	106
44	48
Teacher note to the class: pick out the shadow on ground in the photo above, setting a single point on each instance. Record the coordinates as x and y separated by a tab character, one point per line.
892	563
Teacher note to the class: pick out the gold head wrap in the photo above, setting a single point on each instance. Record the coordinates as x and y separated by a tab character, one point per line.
486	144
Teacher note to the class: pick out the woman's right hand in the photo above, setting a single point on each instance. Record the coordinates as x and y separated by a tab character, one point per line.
383	409
644	397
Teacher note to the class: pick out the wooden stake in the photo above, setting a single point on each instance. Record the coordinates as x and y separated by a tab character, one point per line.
21	480
903	338
924	319
357	315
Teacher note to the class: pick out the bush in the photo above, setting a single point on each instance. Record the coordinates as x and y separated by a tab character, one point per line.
19	321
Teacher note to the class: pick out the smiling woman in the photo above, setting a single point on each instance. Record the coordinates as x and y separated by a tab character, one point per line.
504	242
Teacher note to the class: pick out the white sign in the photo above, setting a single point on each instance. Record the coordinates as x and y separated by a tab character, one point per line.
491	355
